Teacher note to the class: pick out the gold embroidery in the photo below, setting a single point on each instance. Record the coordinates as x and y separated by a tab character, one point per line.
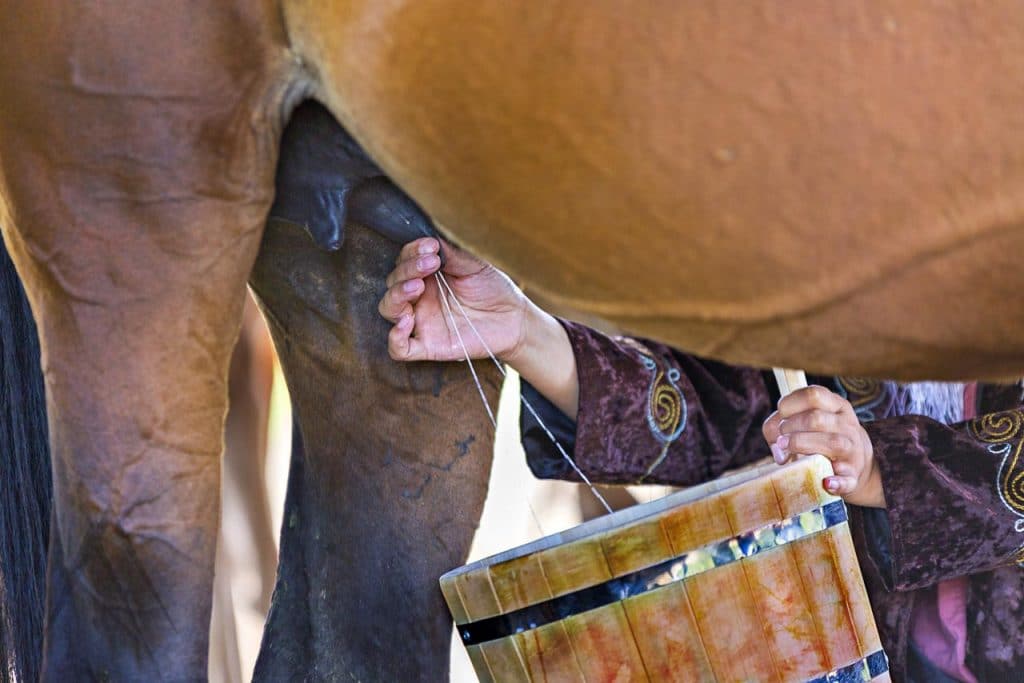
863	394
666	409
997	427
665	406
1002	431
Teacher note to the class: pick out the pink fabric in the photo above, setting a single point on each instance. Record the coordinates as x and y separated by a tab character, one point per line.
939	628
938	625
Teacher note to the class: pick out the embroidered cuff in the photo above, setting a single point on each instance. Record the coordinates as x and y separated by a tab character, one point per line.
631	408
948	505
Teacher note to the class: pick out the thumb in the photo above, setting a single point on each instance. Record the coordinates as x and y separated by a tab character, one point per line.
459	262
402	346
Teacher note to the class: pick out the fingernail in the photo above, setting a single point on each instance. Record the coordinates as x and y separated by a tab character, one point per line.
783	442
426	263
831	484
777	453
427	247
405	320
411	286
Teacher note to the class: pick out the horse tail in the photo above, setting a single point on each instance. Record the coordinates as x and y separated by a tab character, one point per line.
25	484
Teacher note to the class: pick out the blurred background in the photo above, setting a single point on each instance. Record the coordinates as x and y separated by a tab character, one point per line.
255	477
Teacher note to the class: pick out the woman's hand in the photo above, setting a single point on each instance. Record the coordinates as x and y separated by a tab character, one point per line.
514	328
816	420
422	327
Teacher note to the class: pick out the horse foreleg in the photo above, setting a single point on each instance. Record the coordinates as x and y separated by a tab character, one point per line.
133	197
136	396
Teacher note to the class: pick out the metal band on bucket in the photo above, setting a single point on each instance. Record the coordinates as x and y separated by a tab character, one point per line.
861	671
670	571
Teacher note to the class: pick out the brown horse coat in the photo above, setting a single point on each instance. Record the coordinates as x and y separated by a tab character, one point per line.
839	188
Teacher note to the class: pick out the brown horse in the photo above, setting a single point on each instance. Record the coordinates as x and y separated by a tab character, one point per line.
827	188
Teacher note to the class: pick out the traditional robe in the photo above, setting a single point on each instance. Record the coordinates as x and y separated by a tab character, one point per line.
955	494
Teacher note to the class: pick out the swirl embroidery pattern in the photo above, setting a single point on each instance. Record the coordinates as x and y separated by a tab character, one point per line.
1004	434
865	395
666	409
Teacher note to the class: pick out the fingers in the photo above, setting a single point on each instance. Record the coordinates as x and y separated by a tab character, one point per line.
417	266
401	303
832	445
812	421
770	428
421	258
417	260
401	344
421	247
398	300
772	431
815	420
836	447
841	468
840	486
813	398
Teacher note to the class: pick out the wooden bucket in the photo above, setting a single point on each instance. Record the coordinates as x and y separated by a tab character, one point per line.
752	577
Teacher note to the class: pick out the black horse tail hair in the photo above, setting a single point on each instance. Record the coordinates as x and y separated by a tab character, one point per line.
25	484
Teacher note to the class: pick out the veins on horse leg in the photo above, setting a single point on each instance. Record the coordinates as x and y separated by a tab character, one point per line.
127	558
462	450
181	449
159	538
417	493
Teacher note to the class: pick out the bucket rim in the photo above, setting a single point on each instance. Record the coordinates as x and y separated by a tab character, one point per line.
637	513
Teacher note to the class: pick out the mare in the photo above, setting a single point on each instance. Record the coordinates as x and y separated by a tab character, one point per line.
840	189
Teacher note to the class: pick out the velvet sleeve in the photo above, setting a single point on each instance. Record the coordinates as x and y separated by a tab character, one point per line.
954	496
648	413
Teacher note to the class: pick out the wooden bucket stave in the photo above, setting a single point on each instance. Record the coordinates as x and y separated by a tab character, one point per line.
769	590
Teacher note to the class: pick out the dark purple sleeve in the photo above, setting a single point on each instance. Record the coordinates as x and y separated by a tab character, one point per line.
954	495
648	413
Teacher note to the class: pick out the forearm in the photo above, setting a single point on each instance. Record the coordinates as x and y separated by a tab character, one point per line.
640	411
955	477
544	358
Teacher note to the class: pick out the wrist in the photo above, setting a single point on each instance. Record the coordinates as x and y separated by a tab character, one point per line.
531	331
875	491
545	358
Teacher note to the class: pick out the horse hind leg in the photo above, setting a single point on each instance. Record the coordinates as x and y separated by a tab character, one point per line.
388	477
133	198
